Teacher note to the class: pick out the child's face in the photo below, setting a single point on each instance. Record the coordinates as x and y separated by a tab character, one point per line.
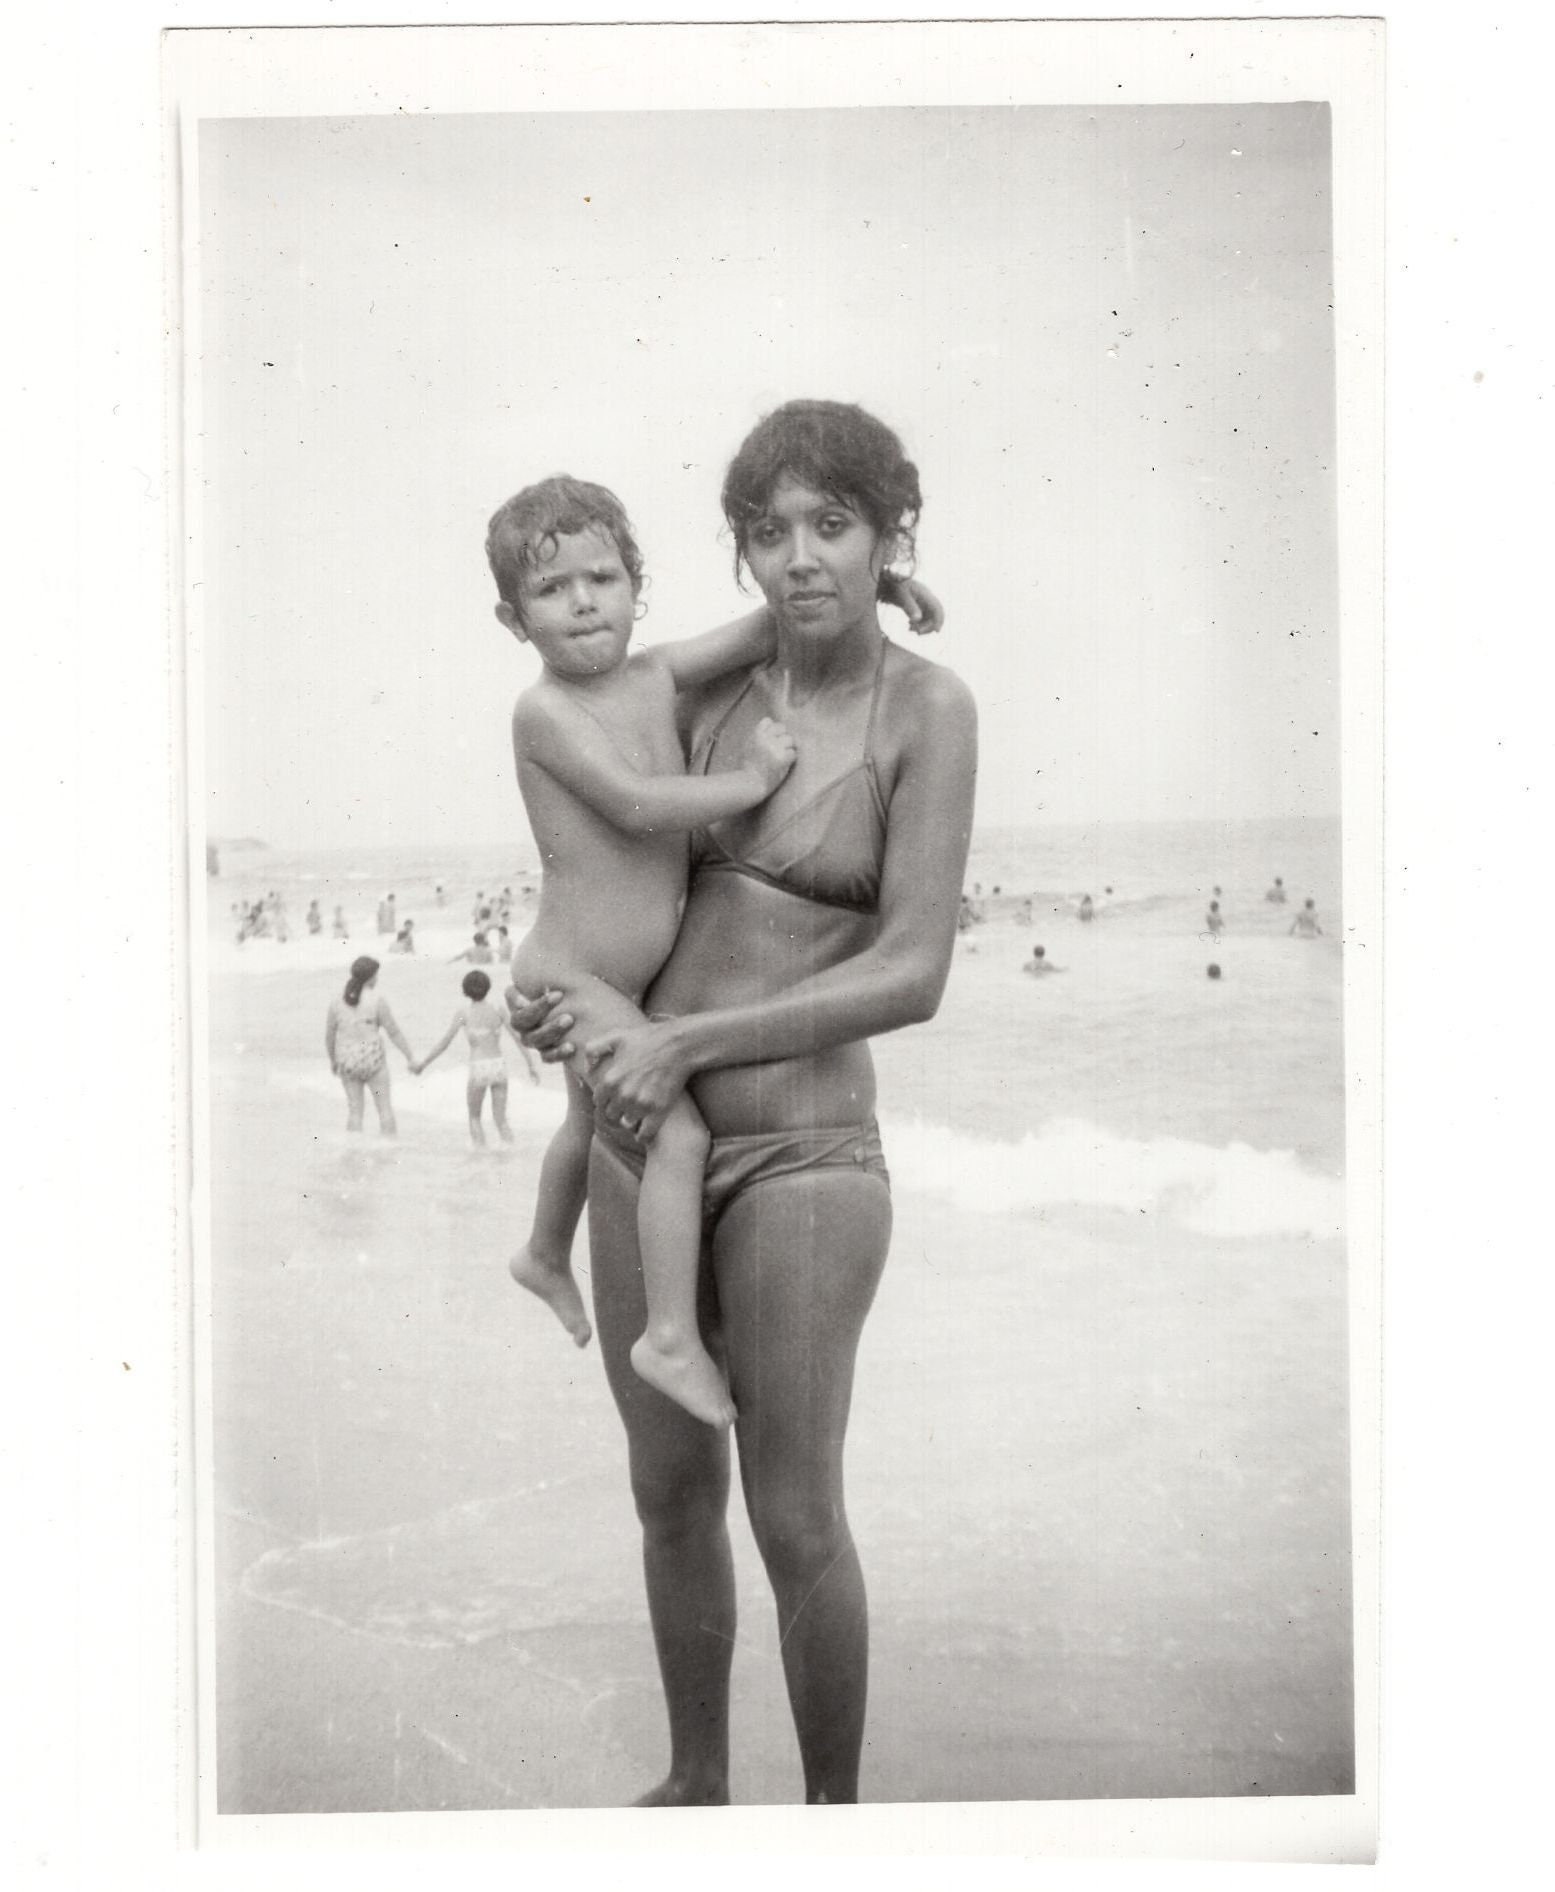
578	606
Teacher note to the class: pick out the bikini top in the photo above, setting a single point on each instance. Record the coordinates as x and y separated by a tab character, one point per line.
830	849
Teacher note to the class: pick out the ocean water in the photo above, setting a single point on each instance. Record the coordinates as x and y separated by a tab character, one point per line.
1098	1458
1128	1080
1149	866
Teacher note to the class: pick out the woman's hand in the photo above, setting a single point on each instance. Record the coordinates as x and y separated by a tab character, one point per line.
539	1025
912	597
636	1075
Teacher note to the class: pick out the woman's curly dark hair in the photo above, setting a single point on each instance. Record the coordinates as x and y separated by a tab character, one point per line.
524	530
834	448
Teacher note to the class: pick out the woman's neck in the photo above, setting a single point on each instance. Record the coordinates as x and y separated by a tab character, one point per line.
810	664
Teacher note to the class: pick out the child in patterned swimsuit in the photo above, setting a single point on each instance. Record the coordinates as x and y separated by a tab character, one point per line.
601	769
483	1025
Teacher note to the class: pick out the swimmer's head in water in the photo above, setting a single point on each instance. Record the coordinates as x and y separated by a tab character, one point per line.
525	531
475	984
1213	971
834	448
1039	952
480	939
363	972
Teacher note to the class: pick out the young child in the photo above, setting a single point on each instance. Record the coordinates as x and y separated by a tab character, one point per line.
602	774
483	1025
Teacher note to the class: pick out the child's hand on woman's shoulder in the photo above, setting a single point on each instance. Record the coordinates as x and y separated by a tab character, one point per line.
924	613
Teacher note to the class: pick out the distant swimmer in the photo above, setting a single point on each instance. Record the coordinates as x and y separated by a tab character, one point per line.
438	896
338	924
1087	908
1027	917
1276	894
405	938
353	1037
483	1025
478	952
1213	971
1305	925
1217	893
1215	920
966	916
1039	962
315	918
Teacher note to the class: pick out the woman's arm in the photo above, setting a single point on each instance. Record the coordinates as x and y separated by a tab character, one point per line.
393	1032
553	734
896	981
420	1064
331	1026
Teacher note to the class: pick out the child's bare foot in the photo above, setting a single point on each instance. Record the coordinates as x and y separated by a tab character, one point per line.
557	1287
688	1376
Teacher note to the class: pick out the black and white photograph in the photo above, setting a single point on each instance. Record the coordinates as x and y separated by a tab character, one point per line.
780	636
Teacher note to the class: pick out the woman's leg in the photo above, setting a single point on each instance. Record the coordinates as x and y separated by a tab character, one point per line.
356	1101
544	1263
797	1261
474	1102
378	1084
669	1353
680	1481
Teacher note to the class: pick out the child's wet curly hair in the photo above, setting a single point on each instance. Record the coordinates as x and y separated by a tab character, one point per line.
835	448
524	530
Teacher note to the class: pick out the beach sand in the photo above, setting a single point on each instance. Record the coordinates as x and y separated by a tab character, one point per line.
1098	1459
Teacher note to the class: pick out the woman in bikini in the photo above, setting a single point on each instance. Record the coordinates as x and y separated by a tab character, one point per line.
353	1037
819	918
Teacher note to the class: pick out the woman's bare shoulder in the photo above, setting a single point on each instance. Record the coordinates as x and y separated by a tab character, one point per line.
927	689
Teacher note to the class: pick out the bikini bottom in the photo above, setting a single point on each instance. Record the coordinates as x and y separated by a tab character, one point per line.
736	1164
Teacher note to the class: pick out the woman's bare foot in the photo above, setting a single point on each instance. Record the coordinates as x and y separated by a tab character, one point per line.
688	1376
673	1793
557	1287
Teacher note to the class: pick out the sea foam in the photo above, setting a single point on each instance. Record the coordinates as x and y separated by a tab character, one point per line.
1235	1191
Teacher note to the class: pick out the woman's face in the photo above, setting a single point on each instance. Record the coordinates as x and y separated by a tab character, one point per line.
816	559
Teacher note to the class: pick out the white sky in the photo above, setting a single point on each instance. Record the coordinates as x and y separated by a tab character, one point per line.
1104	334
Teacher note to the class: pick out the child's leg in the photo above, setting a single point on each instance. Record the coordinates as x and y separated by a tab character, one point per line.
378	1084
670	1354
544	1263
474	1101
499	1111
356	1101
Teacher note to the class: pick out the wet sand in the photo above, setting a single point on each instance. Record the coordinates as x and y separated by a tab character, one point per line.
1097	1471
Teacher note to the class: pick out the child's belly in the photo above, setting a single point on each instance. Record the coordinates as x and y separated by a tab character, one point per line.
621	941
